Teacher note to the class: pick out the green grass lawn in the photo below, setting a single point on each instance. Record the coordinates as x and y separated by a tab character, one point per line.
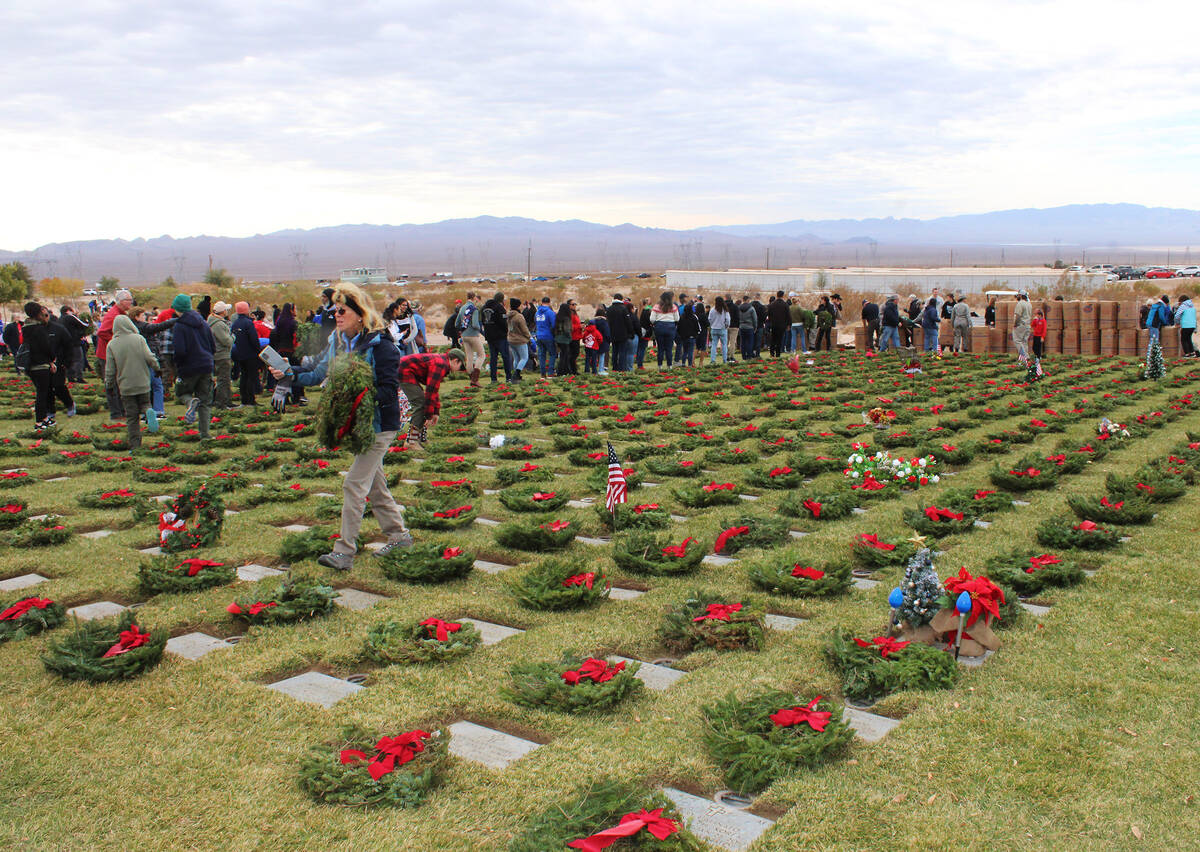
1079	733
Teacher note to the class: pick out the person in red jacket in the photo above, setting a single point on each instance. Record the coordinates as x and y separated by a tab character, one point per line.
1037	330
421	376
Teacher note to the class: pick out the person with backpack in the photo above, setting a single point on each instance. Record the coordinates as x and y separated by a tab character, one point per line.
123	301
470	327
359	331
129	368
450	329
152	331
543	324
494	319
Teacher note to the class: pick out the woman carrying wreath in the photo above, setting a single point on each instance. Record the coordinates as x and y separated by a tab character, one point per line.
359	333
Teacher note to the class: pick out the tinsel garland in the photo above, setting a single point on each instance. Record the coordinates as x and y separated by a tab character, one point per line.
867	675
699	496
418	641
532	498
80	655
718	621
554	584
203	511
754	750
644	516
29	616
427	563
330	776
537	534
791	572
1068	533
295	599
648	553
346	411
1111	509
543	685
596	806
45	532
1028	572
174	574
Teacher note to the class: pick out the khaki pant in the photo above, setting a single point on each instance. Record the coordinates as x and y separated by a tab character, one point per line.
365	479
224	393
473	346
135	405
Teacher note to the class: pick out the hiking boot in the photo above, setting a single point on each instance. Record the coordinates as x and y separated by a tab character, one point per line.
337	561
189	416
401	541
474	376
151	420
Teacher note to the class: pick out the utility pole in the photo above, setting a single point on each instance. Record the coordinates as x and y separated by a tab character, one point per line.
529	263
767	262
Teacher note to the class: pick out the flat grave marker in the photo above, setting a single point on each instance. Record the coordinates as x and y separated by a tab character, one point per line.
491	567
617	593
655	677
865	584
724	827
717	559
254	572
95	610
316	688
775	621
487	522
97	534
193	646
24	581
494	749
296	528
1034	609
356	600
869	726
493	633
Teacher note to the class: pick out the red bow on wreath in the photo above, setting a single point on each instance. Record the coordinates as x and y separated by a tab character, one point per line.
546	495
255	608
1036	562
451	552
452	513
808	714
21	607
130	639
814	507
1114	506
448	483
872	540
712	486
580	580
724	537
806	572
645	507
597	671
195	566
390	752
936	514
120	492
886	644
677	550
441	629
719	612
652	821
979	495
780	471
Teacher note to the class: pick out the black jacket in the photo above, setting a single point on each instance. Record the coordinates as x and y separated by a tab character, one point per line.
494	320
647	329
245	339
40	342
760	312
62	342
891	315
620	322
778	314
914	308
870	312
688	326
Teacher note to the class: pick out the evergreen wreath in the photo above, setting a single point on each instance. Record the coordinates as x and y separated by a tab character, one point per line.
531	498
71	456
295	599
281	444
428	641
517	448
74	438
1108	509
671	467
311	469
815	465
764	532
780	477
637	452
875	553
46	532
949	452
202	510
427	563
574	684
527	473
729	455
577	441
309	544
451	447
598	479
274	492
16	478
938	521
448	517
441	491
307	451
707	618
818	506
1070	534
29	617
13	512
771	734
1147	482
171	574
983	501
346	411
537	534
110	443
790	572
648	553
102	651
589	459
166	473
642	516
872	669
447	464
363	771
1029	473
599	805
1028	572
697	496
557	584
201	457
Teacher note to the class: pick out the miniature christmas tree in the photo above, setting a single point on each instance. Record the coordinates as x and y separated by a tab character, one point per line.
921	590
1035	371
1154	361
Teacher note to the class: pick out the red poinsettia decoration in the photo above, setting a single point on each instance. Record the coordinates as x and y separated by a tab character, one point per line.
986	596
886	645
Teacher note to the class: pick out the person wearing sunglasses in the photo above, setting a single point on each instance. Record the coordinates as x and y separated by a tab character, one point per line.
361	331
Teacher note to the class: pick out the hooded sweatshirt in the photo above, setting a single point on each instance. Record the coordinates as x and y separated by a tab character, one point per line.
129	362
193	345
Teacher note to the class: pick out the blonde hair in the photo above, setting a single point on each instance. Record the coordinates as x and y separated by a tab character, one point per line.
354	298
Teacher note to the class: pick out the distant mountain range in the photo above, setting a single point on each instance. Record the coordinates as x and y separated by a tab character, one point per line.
488	245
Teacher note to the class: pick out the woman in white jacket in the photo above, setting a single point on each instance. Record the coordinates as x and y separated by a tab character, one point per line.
664	318
718	330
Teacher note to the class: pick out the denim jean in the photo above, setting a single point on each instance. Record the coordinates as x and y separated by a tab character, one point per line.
715	336
620	353
931	340
499	349
889	337
642	343
156	394
520	355
664	339
687	351
600	362
547	357
798	333
746	342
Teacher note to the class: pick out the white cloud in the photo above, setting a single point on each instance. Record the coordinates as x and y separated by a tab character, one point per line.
236	118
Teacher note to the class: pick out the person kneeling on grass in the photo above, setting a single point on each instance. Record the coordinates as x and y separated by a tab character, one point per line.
359	330
420	380
127	370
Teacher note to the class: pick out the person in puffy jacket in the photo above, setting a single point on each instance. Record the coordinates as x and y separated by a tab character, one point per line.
153	331
1185	318
890	334
930	322
518	338
360	331
194	362
245	353
543	325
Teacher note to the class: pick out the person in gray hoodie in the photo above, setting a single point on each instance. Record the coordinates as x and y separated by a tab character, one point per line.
128	366
218	322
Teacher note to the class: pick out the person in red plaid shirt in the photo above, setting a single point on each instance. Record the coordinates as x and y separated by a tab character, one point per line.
420	378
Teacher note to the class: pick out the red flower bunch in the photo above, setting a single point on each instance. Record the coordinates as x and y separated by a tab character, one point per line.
886	645
986	596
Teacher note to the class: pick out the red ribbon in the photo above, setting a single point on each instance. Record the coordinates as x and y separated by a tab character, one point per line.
781	471
21	607
986	596
451	552
12	508
255	608
814	507
724	537
195	566
1086	526
452	513
872	540
808	714
390	752
580	580
1114	506
1029	471
885	644
712	486
449	483
979	495
719	612
677	550
652	821
1141	486
345	428
936	514
441	629
597	671
130	639
637	510
949	448
120	492
809	573
547	495
1036	562
528	467
556	526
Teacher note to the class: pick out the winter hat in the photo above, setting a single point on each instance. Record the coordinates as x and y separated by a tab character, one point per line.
242	307
221	308
459	354
182	303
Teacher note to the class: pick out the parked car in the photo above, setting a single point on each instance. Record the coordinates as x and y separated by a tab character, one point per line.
1125	273
643	275
1160	272
1187	272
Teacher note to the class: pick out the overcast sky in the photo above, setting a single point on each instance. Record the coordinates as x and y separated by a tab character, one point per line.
130	118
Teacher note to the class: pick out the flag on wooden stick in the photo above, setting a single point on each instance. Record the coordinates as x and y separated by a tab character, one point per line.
616	482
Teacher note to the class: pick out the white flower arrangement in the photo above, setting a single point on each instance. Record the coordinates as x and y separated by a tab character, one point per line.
496	442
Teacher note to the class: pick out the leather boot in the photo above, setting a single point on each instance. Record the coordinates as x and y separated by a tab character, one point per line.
474	374
516	375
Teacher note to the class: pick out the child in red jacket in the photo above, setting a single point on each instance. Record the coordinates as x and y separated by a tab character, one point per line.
1037	330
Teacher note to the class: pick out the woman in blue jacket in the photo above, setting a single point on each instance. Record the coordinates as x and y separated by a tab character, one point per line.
930	322
1185	318
360	330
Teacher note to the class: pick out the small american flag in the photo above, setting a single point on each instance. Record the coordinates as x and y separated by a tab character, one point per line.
616	482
